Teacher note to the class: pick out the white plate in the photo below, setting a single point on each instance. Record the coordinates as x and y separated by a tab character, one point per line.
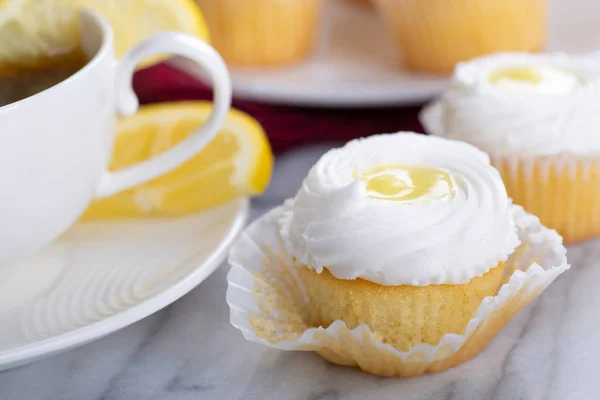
101	277
356	66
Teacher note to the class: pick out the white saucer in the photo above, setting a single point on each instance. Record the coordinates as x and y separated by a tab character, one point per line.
101	277
356	65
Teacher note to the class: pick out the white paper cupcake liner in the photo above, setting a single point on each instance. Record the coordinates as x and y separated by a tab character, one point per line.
267	302
563	190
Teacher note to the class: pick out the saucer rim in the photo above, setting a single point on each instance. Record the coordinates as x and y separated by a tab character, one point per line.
24	354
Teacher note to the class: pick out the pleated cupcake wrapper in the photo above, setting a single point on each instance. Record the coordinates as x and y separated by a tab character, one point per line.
262	32
436	34
268	301
563	190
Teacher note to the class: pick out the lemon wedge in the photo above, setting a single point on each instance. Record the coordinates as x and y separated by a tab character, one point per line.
34	32
134	20
237	162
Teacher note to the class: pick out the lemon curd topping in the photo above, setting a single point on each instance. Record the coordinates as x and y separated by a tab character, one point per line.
539	78
407	183
522	74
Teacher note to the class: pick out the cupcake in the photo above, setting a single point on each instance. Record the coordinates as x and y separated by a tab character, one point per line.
359	1
434	35
536	116
400	254
262	32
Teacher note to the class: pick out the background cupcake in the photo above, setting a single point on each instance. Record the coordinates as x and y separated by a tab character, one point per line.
262	32
537	116
434	35
359	1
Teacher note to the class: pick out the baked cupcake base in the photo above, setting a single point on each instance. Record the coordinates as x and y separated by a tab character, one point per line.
269	303
423	314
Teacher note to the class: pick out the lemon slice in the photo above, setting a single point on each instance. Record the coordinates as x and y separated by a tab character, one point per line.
237	162
35	31
134	20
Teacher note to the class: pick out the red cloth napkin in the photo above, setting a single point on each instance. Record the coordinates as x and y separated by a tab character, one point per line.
286	126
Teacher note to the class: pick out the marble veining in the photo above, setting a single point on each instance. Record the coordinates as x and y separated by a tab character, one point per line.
189	350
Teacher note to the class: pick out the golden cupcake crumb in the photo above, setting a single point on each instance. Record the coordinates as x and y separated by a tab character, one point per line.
401	316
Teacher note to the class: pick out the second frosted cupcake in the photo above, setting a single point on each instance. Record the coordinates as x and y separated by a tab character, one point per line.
538	117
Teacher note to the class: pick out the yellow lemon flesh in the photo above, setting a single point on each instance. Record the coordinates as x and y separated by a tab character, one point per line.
237	162
34	32
407	183
134	20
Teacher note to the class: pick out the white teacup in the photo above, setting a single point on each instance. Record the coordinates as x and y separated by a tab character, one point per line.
55	145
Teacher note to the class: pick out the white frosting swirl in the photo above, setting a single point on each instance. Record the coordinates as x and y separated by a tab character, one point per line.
559	113
332	223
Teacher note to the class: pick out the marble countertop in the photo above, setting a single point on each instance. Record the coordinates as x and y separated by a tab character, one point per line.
551	350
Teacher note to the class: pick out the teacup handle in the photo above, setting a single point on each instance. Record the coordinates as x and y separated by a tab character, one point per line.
127	104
